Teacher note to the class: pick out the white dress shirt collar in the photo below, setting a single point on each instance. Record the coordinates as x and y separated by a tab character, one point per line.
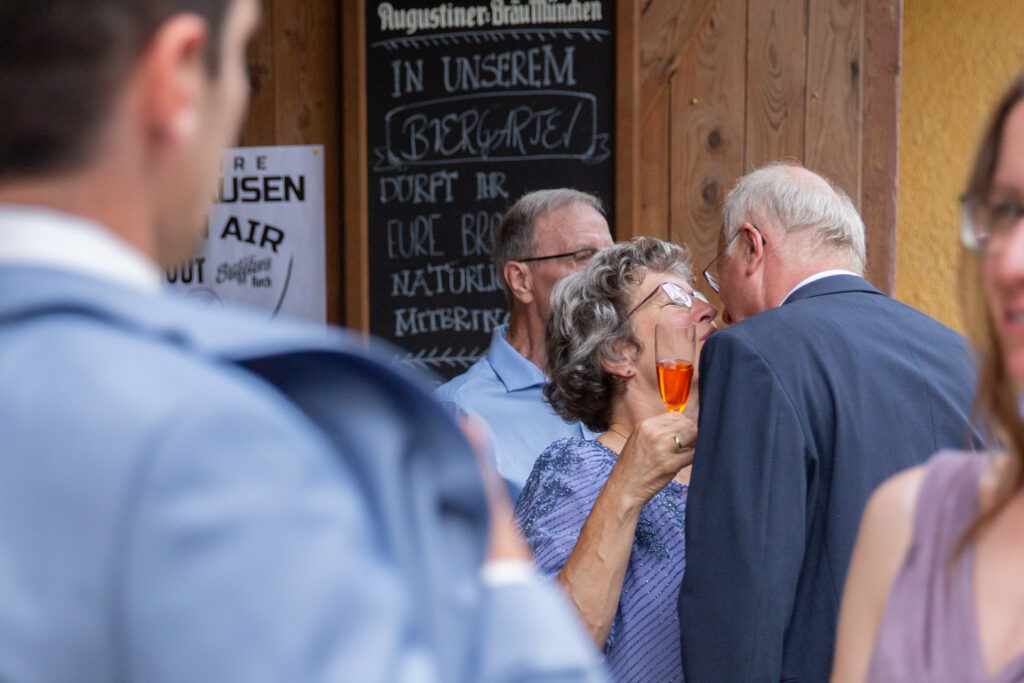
817	276
40	236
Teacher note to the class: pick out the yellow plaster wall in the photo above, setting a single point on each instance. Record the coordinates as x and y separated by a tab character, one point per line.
958	57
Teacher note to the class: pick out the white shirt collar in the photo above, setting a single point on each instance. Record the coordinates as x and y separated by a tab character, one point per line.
817	276
40	236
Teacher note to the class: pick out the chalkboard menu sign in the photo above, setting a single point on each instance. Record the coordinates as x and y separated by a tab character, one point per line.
470	106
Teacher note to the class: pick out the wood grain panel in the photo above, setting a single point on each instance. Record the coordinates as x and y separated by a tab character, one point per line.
293	71
707	135
655	177
832	134
259	124
776	67
667	30
306	68
357	288
883	20
627	119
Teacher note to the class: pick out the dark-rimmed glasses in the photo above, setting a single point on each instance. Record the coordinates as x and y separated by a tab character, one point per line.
985	224
580	257
676	295
708	276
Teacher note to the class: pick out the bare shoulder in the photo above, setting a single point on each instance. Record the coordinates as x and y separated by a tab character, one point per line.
885	533
897	495
888	520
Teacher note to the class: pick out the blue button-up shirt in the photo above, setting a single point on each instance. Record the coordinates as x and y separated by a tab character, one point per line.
503	389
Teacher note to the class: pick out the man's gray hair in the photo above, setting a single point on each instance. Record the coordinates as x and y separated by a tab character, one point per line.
793	202
589	324
514	236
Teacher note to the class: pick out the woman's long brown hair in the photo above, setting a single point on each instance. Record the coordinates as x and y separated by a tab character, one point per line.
997	402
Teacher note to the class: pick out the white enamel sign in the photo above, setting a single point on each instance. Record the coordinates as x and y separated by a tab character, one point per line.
265	242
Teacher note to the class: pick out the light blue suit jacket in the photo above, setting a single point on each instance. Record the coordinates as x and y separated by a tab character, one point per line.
195	495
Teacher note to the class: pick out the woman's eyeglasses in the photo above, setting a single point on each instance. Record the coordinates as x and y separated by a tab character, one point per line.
676	295
985	224
709	276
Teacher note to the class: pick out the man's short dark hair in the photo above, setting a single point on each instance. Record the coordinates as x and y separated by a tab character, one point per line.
61	65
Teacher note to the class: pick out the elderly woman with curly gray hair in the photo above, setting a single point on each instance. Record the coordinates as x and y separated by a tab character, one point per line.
606	516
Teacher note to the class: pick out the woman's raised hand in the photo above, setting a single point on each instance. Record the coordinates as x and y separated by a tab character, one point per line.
654	453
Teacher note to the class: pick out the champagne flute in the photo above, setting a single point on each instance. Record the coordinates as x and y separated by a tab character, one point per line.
675	351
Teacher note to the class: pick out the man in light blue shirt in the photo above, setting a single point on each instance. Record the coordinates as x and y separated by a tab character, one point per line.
545	236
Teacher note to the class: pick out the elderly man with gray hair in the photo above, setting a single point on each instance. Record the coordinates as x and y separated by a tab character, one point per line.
545	236
822	388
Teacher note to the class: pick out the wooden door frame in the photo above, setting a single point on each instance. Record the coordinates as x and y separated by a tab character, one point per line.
627	117
356	174
883	35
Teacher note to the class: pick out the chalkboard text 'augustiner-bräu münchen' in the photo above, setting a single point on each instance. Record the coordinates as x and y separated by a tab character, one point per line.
499	13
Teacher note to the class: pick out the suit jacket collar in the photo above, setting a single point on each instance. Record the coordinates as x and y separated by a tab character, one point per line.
835	284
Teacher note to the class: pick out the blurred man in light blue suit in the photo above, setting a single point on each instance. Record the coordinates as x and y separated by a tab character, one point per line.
191	495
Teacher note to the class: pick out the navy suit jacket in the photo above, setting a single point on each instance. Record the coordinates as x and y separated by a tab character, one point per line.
195	495
805	409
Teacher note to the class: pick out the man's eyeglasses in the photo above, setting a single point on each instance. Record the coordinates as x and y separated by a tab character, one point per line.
985	224
580	257
709	277
676	295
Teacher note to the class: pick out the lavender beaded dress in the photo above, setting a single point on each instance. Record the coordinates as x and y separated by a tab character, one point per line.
929	629
643	644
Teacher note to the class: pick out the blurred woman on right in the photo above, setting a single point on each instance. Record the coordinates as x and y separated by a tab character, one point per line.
935	590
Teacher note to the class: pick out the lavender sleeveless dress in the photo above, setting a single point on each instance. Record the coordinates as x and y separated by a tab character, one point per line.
643	644
929	630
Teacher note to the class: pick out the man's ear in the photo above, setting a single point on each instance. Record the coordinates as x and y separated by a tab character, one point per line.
174	78
752	244
519	280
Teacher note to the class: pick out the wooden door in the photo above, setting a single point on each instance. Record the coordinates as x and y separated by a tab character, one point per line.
711	89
